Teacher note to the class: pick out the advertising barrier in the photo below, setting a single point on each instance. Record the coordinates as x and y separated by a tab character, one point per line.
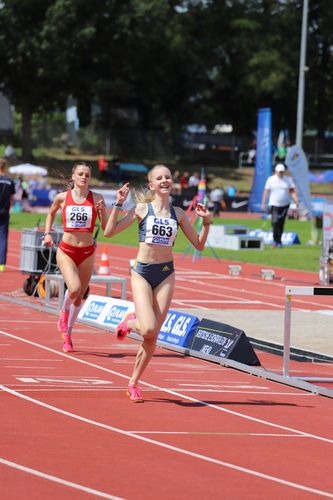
288	238
263	167
178	328
218	339
107	312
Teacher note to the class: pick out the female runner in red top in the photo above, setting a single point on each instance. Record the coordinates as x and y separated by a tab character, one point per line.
76	252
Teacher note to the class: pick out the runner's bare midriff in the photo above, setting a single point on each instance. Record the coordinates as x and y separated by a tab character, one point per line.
150	254
78	239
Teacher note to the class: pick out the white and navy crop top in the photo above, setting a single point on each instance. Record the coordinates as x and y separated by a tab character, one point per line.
158	230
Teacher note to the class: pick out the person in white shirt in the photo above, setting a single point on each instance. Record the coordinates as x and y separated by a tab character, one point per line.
216	197
280	189
9	152
194	179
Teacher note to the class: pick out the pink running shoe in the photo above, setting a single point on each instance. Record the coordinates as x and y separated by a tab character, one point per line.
68	344
63	321
122	329
134	394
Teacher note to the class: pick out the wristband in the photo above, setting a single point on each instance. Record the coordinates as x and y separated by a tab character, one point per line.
45	234
117	205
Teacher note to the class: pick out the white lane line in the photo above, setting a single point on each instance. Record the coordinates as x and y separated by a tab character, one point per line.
27	387
24	321
32	367
173	393
222	386
56	479
220	290
9	358
219	301
170	447
176	449
234	391
204	433
47	390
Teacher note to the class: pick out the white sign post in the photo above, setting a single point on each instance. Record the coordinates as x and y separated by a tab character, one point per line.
326	260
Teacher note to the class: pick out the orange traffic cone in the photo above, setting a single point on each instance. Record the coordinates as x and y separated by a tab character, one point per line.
104	267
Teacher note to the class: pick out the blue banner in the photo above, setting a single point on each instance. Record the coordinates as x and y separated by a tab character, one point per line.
178	328
263	166
297	163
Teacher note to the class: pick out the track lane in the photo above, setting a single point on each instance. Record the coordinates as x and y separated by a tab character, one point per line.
205	279
239	433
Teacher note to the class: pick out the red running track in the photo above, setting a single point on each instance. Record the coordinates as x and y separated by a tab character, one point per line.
68	431
204	283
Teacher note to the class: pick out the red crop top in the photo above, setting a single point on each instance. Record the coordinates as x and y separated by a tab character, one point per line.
79	216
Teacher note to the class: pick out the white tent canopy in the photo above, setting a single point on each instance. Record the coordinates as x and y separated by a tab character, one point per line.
27	169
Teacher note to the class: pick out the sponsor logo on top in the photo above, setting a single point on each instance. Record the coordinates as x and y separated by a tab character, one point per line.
177	327
176	324
94	310
115	315
161	241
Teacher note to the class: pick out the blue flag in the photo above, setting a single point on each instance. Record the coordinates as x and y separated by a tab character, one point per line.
263	166
297	163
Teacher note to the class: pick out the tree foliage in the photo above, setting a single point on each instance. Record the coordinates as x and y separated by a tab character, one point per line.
174	62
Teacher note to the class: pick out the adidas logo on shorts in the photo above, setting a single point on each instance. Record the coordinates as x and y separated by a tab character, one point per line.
165	268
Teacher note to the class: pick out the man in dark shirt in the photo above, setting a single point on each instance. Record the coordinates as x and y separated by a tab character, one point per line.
7	191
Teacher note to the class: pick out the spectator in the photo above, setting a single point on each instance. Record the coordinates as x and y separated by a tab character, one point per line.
103	168
184	180
216	197
7	191
251	158
231	191
280	190
193	180
9	153
22	194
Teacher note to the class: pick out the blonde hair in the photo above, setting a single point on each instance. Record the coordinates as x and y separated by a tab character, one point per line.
142	195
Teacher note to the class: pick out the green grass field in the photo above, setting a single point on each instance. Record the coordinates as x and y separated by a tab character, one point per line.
301	256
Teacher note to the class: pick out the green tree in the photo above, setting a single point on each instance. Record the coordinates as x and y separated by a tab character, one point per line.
36	71
318	90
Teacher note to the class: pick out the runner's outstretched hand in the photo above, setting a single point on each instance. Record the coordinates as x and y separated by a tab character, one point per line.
122	193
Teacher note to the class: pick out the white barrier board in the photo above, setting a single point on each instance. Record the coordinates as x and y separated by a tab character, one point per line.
105	312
